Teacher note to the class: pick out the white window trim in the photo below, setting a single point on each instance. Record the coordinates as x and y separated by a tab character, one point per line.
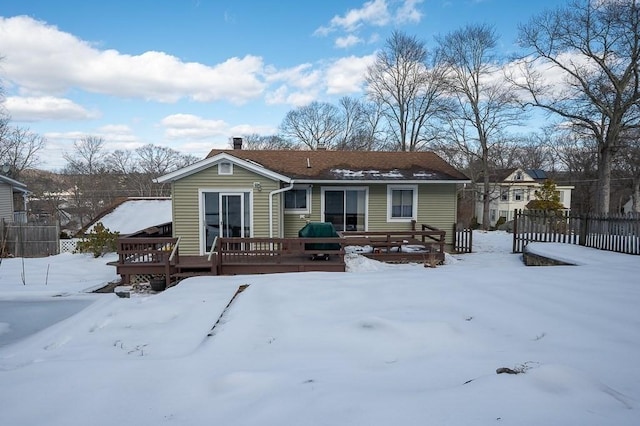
298	211
390	189
220	172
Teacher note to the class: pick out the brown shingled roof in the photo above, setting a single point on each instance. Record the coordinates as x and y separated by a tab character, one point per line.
350	165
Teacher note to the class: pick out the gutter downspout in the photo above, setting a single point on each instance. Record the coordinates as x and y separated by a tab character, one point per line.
271	194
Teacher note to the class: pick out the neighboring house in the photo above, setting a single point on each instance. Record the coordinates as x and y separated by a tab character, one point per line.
512	189
130	215
246	193
13	200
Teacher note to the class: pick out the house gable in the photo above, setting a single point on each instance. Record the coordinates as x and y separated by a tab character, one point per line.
222	158
519	175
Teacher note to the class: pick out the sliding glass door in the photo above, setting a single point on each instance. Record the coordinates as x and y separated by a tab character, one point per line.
345	208
225	215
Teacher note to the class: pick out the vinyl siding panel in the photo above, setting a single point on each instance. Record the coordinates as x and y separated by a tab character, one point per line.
437	207
6	202
186	214
293	223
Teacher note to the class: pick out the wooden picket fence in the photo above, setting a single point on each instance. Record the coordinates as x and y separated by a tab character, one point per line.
612	232
28	239
462	239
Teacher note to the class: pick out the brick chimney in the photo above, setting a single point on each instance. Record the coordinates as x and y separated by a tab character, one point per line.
237	143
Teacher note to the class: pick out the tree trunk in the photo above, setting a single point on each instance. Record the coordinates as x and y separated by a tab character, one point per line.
635	197
604	180
486	202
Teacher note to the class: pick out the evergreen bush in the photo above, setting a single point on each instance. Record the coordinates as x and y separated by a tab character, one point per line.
99	241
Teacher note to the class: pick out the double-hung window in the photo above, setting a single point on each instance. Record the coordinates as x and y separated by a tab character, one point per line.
402	203
297	201
518	194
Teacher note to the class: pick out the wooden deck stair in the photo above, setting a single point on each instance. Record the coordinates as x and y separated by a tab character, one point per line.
191	266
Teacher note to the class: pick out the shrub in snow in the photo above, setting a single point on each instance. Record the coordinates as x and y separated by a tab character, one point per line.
99	241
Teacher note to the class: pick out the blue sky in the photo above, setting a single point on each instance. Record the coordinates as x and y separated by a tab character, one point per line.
190	74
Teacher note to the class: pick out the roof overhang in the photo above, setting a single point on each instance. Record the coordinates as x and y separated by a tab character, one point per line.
14	184
383	181
216	159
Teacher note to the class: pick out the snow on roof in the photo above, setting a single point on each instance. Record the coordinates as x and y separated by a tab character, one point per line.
136	215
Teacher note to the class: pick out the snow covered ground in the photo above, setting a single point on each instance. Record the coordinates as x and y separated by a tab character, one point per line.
378	345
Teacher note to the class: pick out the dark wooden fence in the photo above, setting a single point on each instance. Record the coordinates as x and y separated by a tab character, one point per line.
612	232
28	239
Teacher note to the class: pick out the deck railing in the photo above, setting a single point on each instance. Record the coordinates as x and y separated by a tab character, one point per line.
153	256
160	255
236	249
394	246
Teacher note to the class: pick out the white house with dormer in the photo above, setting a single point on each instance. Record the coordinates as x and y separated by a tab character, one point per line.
512	189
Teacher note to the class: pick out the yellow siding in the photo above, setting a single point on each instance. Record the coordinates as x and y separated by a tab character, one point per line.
6	206
438	204
293	223
437	207
185	193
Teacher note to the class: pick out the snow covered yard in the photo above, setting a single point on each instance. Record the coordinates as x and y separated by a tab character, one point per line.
379	345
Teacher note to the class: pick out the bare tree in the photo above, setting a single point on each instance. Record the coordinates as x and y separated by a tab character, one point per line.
259	142
19	148
407	83
5	130
154	161
483	105
87	156
629	165
360	130
85	165
595	47
533	153
315	125
575	156
121	162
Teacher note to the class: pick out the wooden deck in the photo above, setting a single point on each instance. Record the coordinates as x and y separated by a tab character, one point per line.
145	258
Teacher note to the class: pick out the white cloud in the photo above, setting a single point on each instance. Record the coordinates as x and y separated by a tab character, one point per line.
346	75
40	59
374	12
120	129
248	129
28	109
299	86
301	76
347	41
283	95
188	126
197	135
408	12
